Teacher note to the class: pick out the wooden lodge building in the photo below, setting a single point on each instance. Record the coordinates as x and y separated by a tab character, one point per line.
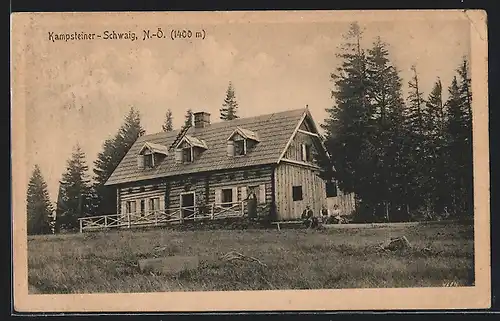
210	170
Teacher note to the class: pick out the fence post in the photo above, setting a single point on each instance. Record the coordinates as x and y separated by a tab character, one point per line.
156	217
81	225
105	221
128	220
212	212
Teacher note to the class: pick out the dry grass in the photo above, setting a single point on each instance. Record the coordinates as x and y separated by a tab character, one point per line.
295	259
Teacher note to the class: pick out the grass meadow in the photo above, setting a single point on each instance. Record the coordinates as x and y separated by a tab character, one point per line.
440	255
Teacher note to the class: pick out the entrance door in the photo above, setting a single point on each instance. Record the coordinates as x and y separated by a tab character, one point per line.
187	204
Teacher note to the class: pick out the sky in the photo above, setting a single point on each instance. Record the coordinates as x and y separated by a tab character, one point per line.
80	91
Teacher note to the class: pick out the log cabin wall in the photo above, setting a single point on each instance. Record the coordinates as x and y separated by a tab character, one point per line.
151	193
309	190
208	186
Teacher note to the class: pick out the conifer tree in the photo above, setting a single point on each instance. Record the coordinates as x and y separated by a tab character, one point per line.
414	148
435	166
76	193
168	125
386	102
113	151
415	111
230	106
39	208
467	160
349	125
459	143
188	118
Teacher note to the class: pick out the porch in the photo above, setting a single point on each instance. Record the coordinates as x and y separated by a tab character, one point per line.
214	211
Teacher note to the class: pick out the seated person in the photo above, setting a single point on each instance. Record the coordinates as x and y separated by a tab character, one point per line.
307	216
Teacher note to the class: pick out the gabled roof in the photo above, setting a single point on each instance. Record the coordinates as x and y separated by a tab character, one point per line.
193	141
155	148
274	130
245	133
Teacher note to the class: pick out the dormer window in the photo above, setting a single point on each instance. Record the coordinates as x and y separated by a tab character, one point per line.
240	147
151	155
188	148
187	155
148	161
241	141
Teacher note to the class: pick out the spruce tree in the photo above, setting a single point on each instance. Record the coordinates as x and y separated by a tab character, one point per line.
415	118
386	102
459	143
39	208
76	193
230	106
168	125
349	126
436	165
188	118
467	154
414	148
114	149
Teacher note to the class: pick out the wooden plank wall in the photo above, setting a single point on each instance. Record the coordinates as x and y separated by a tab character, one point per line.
294	151
313	191
345	202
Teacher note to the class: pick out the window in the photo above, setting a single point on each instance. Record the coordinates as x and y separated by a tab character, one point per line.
227	197
154	204
297	193
254	191
240	147
130	207
331	189
148	161
187	155
306	153
143	207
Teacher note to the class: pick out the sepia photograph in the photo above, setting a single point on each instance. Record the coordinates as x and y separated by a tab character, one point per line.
280	160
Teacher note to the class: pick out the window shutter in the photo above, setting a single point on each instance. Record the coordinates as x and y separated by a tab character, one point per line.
133	208
230	148
244	193
262	193
124	208
140	161
178	155
156	204
218	196
161	206
235	194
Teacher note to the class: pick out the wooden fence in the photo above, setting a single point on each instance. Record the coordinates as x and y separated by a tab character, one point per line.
155	218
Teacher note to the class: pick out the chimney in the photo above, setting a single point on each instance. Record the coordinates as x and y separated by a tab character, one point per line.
201	119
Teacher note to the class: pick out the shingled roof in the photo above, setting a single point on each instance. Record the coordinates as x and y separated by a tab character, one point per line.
274	131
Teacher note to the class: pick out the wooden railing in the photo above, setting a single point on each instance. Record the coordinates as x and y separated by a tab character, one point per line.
155	218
